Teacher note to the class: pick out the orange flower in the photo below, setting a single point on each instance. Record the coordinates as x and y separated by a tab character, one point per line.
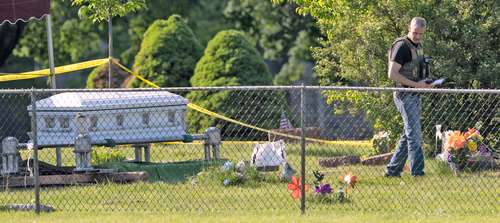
296	187
456	140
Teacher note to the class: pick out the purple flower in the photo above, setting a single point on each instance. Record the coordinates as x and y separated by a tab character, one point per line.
323	189
450	158
483	150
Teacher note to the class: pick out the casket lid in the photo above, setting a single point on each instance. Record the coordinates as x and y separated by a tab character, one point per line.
85	101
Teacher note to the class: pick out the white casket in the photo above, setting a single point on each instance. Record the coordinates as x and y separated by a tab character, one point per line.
119	117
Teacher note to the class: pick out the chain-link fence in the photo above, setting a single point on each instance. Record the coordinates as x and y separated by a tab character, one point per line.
250	148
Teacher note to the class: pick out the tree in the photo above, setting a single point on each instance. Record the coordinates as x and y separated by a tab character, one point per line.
168	55
274	28
278	32
99	10
231	60
203	16
102	10
206	18
358	34
298	57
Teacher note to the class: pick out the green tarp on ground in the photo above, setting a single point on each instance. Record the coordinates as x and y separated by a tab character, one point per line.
172	172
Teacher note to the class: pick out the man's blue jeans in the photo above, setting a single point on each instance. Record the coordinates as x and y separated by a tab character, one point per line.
408	104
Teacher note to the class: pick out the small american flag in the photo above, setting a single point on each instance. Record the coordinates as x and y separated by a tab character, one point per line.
284	122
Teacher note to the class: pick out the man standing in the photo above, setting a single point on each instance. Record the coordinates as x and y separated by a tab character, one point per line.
406	68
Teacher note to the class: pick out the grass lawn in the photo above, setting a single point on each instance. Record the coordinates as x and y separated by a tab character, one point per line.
438	195
260	217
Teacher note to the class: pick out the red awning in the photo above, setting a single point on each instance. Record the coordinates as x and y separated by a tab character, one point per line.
15	10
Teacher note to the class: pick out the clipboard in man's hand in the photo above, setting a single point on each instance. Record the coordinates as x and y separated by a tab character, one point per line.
434	82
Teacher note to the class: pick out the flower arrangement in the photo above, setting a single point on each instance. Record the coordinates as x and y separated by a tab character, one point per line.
323	192
228	174
460	148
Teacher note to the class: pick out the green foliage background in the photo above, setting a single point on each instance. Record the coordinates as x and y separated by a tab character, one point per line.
281	35
203	16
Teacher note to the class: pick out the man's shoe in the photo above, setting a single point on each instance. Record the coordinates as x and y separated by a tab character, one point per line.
418	175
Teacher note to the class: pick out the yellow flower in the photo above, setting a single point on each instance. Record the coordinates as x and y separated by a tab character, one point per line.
472	146
473	134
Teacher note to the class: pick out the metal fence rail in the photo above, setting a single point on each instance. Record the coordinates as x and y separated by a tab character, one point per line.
220	148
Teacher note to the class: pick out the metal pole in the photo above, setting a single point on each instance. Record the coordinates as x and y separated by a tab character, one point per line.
302	151
52	73
35	149
58	157
147	153
51	52
138	153
110	45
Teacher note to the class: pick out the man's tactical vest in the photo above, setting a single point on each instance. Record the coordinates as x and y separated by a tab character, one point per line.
414	70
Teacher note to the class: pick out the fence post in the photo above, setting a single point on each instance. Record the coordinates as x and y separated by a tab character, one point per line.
302	151
35	149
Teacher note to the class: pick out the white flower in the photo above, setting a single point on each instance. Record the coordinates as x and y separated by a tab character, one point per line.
227	166
443	156
226	182
381	135
347	179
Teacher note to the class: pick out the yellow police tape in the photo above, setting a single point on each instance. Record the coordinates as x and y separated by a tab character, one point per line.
135	75
216	115
360	143
58	70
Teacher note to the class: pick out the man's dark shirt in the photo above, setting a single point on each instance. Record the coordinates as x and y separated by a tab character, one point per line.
401	53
